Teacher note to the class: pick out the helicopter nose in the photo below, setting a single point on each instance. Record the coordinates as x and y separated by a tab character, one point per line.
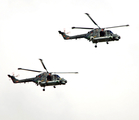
116	37
64	81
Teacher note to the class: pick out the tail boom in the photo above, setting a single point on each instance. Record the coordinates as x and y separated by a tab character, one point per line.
66	37
20	81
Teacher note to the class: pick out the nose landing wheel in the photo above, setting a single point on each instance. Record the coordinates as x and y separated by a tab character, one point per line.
43	89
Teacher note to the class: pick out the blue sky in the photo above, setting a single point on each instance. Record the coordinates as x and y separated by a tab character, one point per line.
107	84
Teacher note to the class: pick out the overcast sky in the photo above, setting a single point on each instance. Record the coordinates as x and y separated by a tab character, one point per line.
107	86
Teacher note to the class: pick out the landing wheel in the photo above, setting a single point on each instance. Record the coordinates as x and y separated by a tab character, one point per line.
54	86
95	46
43	89
107	42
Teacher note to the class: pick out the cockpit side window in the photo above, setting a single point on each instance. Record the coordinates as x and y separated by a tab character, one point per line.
109	32
56	77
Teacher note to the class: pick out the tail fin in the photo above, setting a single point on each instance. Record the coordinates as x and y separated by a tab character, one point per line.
13	79
64	35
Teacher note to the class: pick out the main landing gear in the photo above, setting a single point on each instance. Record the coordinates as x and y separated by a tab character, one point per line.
96	44
44	88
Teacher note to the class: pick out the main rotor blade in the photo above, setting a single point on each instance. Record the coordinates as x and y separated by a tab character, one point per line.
92	20
117	26
65	72
43	64
29	70
81	28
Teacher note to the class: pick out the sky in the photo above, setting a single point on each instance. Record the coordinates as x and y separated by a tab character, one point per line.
107	84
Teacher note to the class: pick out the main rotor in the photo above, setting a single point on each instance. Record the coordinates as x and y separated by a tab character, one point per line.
97	25
47	70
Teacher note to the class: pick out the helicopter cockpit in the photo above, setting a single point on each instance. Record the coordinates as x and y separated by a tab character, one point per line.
105	33
56	77
109	33
51	77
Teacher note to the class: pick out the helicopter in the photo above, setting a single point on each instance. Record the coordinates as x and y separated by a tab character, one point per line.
96	35
44	78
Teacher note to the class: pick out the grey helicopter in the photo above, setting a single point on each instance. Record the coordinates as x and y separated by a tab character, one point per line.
96	35
44	78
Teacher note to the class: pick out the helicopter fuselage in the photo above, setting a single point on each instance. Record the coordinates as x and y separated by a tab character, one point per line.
100	35
47	79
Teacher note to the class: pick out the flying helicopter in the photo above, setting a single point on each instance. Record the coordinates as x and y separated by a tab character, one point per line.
44	78
96	35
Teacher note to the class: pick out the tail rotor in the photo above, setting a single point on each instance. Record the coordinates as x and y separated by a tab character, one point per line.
15	75
65	31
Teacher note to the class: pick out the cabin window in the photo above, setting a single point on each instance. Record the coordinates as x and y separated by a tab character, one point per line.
102	33
49	78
